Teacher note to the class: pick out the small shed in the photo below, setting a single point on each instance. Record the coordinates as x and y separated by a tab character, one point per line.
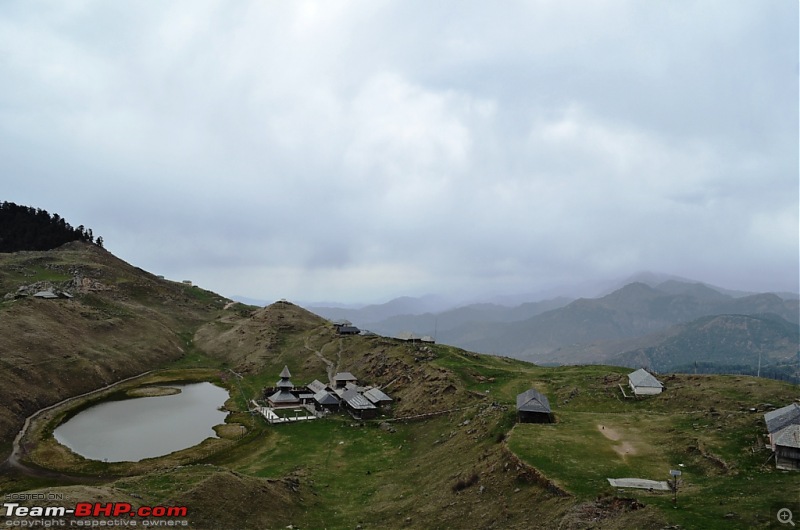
348	330
643	383
786	444
783	426
533	407
342	378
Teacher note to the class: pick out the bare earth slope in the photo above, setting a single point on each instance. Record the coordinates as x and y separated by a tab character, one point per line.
120	321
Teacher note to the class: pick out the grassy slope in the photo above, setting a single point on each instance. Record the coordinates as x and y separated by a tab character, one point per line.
122	321
465	469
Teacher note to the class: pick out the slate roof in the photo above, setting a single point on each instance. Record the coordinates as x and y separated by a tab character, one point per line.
284	382
783	417
345	376
45	294
788	437
317	386
325	398
643	378
353	386
282	396
356	400
376	396
533	401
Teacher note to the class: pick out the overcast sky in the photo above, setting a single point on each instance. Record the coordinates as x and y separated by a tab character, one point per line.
361	150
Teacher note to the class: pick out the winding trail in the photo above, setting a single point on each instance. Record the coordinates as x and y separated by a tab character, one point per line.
331	367
14	459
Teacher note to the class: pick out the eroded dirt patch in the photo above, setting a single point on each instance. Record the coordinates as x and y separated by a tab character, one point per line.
624	448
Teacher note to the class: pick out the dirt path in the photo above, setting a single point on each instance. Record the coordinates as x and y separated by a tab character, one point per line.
331	367
608	432
622	449
14	459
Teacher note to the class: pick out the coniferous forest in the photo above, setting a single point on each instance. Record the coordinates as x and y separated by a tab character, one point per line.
28	228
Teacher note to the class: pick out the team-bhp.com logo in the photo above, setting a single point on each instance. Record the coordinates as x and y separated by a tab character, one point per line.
87	514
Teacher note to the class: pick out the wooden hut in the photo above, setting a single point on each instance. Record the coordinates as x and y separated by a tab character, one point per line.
533	407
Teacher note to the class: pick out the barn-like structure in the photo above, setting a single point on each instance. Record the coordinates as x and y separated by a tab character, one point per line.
783	426
533	407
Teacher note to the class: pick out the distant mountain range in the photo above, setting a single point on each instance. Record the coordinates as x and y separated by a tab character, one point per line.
667	325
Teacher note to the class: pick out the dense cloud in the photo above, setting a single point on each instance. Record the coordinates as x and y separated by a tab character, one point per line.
358	150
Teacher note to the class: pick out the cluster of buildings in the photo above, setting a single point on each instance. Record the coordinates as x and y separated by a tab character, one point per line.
362	402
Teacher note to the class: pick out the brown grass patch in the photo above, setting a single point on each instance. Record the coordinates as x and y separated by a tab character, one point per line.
153	391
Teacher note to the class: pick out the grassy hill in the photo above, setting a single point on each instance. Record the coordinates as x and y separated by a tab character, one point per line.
120	322
723	343
469	466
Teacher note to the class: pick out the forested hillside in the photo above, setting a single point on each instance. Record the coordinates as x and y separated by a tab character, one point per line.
29	228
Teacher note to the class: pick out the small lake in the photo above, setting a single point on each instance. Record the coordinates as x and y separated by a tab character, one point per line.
135	429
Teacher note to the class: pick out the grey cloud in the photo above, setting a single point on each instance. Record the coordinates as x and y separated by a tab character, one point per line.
364	150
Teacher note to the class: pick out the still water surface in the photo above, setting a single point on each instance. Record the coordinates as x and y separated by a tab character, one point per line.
134	429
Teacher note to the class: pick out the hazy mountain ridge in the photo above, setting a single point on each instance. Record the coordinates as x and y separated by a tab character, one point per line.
731	343
636	317
462	319
633	311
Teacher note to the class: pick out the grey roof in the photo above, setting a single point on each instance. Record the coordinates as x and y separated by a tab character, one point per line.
284	382
642	378
533	401
325	398
282	396
46	294
788	437
352	330
782	417
317	386
353	386
345	376
356	400
342	322
376	396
